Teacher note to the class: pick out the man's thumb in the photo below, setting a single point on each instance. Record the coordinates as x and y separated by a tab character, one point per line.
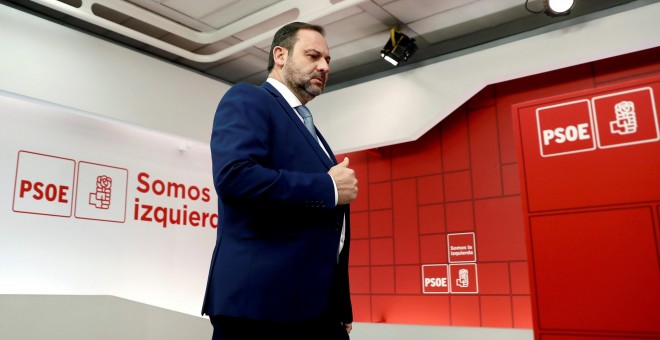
344	163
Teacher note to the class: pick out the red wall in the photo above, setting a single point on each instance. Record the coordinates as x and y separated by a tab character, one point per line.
590	162
460	177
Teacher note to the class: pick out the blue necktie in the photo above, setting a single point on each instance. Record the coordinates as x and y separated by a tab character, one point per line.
307	120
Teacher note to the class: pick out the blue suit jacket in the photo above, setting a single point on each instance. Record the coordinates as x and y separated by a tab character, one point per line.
275	256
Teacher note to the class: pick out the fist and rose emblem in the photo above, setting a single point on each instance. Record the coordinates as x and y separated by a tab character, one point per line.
101	197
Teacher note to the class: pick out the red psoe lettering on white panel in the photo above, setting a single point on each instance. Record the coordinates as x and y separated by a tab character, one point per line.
44	184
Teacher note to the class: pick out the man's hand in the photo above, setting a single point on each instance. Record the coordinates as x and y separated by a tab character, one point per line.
346	182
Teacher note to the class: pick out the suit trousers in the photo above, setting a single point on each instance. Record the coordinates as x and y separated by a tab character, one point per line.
230	328
326	327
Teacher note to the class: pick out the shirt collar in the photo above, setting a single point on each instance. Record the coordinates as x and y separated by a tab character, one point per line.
285	92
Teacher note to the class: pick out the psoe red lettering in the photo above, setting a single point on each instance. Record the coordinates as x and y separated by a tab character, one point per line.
570	133
49	191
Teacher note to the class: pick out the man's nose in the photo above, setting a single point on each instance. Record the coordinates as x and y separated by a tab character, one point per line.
323	66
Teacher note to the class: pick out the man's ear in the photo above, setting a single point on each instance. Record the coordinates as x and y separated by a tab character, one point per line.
280	55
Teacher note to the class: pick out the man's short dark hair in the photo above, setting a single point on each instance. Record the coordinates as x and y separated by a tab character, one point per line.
286	37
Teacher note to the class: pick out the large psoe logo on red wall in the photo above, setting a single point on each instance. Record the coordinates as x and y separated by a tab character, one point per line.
44	184
608	121
565	128
626	118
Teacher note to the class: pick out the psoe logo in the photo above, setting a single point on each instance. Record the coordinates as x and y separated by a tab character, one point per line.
44	184
435	278
101	192
626	118
463	278
565	128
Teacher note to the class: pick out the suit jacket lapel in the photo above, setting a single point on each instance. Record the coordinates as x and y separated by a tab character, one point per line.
327	147
329	162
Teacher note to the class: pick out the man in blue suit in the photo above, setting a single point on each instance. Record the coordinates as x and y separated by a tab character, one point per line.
280	263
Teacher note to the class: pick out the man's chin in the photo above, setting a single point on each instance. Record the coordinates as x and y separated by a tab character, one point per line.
315	90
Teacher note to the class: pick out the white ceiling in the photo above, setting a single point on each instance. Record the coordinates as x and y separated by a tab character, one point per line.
229	39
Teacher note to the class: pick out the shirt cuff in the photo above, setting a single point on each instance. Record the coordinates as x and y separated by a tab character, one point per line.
334	185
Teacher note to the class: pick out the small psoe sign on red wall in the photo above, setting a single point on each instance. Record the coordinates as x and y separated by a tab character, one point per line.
435	278
461	247
453	278
463	278
458	277
612	120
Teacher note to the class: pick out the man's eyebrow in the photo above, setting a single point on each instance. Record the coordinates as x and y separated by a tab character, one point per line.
315	51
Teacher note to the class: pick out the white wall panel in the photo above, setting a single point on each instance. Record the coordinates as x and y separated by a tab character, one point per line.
61	242
44	60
